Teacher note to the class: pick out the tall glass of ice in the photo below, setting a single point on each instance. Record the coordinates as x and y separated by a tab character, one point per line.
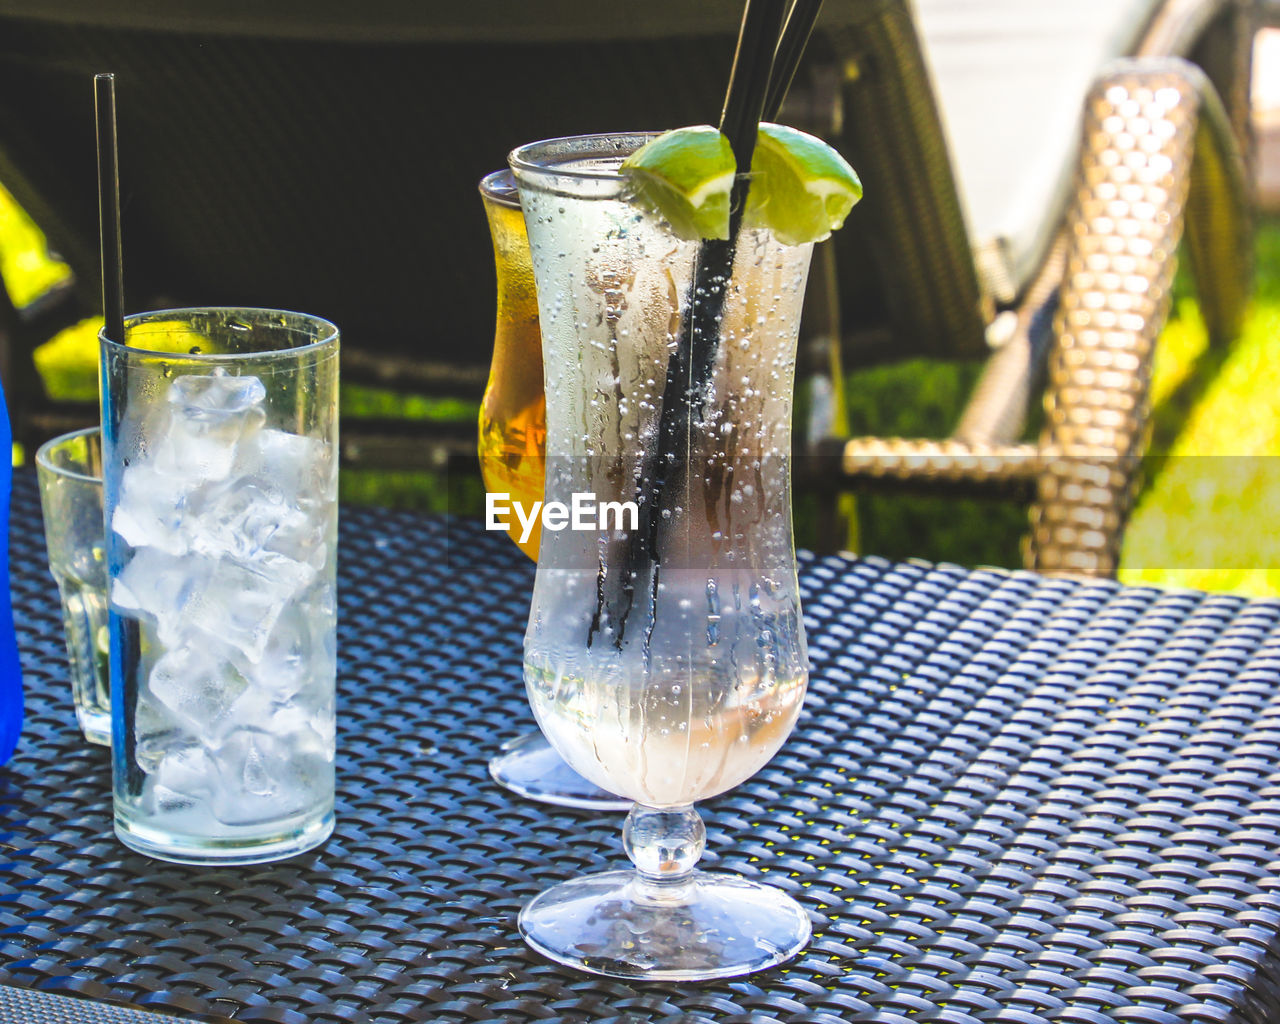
219	432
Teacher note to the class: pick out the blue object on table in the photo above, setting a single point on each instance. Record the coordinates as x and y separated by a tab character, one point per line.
10	670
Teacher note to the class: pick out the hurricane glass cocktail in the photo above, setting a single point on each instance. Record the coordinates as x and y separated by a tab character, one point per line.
665	662
513	430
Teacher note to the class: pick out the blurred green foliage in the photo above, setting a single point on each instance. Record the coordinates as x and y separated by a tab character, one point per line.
923	398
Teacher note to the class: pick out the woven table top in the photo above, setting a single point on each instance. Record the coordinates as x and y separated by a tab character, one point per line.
1009	798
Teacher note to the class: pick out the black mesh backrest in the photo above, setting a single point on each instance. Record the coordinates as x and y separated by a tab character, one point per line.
337	176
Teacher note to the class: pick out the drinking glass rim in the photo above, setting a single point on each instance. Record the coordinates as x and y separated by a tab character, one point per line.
329	329
43	461
569	146
500	187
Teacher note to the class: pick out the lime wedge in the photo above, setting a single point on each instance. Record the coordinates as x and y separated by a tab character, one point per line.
685	176
801	188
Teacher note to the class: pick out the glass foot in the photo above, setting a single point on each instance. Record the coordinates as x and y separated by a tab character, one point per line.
531	767
712	926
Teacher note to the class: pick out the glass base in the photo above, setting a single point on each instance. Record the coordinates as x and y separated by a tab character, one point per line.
211	852
715	926
96	726
531	767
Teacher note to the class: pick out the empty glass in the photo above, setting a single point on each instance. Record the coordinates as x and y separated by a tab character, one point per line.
70	472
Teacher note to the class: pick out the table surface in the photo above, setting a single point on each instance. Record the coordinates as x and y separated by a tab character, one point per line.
1008	798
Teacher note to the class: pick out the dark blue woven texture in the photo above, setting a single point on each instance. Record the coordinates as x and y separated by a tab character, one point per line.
1008	799
31	1006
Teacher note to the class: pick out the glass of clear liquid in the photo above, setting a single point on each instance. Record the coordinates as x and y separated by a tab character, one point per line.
219	436
665	656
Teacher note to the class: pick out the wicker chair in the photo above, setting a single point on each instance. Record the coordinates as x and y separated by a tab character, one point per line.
1158	152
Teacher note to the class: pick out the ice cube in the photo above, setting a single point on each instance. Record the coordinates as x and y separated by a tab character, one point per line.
161	800
226	601
264	777
239	603
301	468
199	686
237	517
161	588
209	415
187	770
156	734
216	397
306	725
151	509
299	652
284	667
323	723
244	519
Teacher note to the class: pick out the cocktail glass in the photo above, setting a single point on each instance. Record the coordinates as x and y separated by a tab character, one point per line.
672	670
219	434
513	431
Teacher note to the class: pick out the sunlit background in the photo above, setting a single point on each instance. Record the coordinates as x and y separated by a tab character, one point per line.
1207	514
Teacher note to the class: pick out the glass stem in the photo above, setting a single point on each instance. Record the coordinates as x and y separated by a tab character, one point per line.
664	843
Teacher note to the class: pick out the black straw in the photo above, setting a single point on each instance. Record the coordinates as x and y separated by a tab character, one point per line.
786	59
690	367
104	95
749	79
